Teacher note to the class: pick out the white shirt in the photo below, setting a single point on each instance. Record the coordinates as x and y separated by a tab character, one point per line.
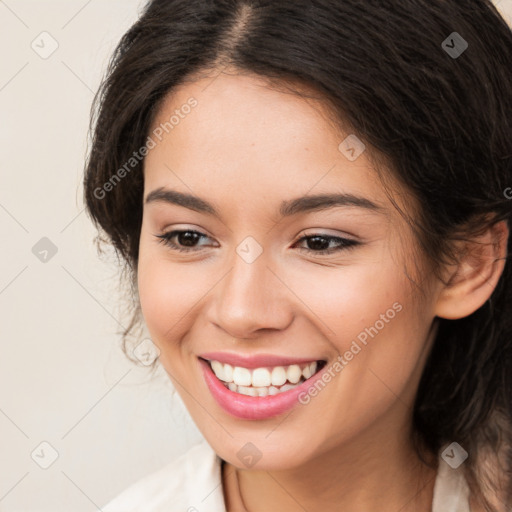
192	483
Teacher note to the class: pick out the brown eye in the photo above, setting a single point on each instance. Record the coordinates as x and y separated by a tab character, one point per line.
323	244
182	240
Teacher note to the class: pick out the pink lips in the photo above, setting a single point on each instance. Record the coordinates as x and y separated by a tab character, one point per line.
250	407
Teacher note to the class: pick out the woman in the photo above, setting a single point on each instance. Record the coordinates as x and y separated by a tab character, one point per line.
311	201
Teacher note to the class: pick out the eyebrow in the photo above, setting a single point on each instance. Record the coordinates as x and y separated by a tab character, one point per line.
304	204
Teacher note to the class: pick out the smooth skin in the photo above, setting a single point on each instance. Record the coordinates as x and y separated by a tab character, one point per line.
245	148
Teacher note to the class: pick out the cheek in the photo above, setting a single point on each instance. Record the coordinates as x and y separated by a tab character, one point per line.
167	293
368	318
346	300
366	314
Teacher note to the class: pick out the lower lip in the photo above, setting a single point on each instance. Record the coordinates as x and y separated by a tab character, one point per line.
251	407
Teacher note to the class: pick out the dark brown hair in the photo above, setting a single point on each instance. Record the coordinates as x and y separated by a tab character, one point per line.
437	111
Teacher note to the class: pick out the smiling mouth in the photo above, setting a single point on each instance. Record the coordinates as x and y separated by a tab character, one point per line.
266	380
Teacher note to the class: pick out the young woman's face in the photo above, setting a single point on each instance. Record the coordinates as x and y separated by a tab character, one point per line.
290	253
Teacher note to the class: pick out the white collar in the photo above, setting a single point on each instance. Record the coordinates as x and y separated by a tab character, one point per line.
193	483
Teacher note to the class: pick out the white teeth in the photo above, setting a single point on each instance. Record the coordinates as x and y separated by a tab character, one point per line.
259	391
262	391
247	391
218	369
228	373
260	377
278	376
262	381
241	376
309	370
294	373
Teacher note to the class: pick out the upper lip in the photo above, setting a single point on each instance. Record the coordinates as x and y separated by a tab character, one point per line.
255	360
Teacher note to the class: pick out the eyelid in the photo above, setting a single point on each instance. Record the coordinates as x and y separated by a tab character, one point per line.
326	232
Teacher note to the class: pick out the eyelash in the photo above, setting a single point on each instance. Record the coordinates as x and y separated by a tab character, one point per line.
345	243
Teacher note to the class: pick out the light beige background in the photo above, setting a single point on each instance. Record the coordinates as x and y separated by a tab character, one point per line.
63	378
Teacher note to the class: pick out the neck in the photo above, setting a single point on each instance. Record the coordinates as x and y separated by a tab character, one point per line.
367	475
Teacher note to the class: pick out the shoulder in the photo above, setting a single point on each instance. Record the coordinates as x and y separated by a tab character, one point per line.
189	483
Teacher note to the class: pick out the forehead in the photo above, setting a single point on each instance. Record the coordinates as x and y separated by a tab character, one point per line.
245	140
246	112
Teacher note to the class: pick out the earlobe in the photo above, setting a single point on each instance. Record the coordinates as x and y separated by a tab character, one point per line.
472	281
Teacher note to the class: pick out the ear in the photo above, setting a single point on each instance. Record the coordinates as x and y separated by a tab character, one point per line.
472	280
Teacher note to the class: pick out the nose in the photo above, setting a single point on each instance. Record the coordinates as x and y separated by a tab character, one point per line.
251	299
